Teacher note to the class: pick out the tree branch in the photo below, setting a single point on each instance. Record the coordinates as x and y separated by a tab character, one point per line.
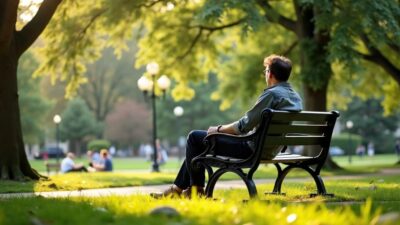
210	30
379	59
195	40
288	50
394	47
150	4
35	27
89	24
272	15
8	18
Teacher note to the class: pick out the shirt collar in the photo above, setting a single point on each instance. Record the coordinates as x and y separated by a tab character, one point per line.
281	84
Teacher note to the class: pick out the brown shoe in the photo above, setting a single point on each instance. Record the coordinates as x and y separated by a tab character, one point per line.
170	192
199	191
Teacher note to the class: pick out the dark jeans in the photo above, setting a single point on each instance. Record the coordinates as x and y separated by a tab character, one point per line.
78	169
195	146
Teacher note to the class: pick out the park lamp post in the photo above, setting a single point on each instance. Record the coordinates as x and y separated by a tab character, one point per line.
349	125
178	112
148	86
57	121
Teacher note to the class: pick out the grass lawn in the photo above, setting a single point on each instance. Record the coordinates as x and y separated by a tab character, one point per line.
123	177
125	164
361	201
372	199
118	163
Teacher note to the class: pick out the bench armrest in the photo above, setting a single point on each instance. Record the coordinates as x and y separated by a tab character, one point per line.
210	140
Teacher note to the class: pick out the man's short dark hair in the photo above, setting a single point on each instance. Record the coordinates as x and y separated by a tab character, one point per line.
280	66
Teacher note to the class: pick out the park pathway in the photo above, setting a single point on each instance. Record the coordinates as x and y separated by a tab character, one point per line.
232	184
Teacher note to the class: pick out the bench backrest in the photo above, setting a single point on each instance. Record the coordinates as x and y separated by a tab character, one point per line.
283	128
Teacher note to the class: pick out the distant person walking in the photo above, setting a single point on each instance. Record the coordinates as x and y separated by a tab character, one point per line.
371	149
162	155
360	151
397	148
68	164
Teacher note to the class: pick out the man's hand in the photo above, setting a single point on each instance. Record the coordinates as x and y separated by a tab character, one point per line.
212	129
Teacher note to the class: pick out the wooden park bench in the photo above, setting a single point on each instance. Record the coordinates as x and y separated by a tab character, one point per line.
52	167
278	128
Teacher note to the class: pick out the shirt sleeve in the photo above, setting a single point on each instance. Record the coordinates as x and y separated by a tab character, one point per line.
252	118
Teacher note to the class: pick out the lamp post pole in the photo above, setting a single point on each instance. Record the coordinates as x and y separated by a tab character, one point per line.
349	125
156	167
147	85
178	112
57	120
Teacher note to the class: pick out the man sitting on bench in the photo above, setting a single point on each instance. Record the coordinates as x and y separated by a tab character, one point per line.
278	95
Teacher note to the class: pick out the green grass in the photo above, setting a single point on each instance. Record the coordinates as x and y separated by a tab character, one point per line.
125	164
118	163
140	176
228	209
356	201
386	160
79	181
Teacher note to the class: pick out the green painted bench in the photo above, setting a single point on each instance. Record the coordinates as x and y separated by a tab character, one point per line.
278	128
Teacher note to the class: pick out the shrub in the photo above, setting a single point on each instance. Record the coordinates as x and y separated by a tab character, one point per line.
97	145
346	142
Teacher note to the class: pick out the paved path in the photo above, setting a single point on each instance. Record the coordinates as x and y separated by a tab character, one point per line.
156	188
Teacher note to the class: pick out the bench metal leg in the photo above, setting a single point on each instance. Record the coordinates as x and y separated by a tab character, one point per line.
281	176
318	182
212	180
251	187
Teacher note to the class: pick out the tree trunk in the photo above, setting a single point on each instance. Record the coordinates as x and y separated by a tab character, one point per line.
14	164
315	100
316	70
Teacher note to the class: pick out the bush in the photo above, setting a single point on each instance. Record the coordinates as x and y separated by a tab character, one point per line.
97	145
346	142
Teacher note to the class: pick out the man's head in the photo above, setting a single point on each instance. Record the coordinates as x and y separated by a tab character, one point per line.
277	68
71	155
104	153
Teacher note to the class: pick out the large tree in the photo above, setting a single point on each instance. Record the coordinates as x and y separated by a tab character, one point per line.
13	43
77	123
109	81
128	124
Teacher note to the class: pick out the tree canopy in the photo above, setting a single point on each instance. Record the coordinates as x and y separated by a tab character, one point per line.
341	45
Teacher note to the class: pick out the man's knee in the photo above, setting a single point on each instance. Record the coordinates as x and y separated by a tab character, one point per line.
195	136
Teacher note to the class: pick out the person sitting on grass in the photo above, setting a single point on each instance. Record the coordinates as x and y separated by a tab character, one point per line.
94	157
105	163
68	164
278	95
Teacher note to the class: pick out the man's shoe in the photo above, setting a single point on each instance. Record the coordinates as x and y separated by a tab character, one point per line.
199	191
170	192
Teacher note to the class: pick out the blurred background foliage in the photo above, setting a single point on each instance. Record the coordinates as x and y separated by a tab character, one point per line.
213	51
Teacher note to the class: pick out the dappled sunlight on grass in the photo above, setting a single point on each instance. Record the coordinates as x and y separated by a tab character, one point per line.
78	181
136	209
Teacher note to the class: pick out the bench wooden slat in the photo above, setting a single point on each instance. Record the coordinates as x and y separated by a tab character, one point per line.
304	116
295	140
287	159
294	128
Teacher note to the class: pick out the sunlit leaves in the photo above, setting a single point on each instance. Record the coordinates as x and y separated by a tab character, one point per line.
188	40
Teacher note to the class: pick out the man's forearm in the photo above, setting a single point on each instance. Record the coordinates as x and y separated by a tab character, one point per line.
228	129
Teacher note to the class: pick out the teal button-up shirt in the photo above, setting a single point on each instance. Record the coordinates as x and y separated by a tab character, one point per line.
280	97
